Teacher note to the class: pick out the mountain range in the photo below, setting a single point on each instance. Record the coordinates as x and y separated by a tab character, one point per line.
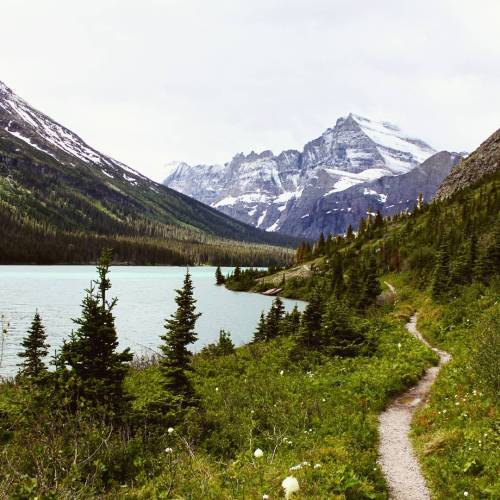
54	185
353	169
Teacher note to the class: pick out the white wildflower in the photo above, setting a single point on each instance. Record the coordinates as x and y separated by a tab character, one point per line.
168	450
282	371
399	345
258	453
265	497
306	464
216	389
296	467
170	430
290	485
466	493
317	466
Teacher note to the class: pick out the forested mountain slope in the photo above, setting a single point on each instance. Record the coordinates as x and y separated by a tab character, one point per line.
57	191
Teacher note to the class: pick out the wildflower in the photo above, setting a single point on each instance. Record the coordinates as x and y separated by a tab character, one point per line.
466	493
281	372
168	450
290	485
323	400
258	453
306	464
216	389
170	430
399	345
296	467
265	497
317	466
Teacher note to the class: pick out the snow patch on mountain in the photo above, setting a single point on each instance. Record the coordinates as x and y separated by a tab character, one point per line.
272	191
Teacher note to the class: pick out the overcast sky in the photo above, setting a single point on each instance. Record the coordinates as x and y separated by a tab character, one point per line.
150	81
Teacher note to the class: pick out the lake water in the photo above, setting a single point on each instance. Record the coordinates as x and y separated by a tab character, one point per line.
145	298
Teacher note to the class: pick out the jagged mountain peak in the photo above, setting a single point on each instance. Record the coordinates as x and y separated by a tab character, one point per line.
263	189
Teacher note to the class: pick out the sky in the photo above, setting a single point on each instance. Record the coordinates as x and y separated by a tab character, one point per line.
153	81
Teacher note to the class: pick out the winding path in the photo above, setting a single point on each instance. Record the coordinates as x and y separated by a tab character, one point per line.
396	456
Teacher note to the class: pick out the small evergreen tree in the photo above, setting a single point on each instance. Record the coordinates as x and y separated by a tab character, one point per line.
219	277
176	362
320	245
338	333
291	322
222	347
35	349
309	336
355	286
260	332
274	319
237	273
371	288
349	234
441	280
97	370
337	284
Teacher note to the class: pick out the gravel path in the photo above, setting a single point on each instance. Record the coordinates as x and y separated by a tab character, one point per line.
396	456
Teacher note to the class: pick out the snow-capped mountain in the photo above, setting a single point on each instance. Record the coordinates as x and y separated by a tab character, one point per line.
51	177
38	130
275	192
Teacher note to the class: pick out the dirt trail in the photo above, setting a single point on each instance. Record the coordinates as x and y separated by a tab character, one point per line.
396	456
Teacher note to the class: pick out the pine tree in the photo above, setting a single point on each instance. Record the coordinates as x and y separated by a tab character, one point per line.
337	284
260	332
441	279
378	222
320	245
291	323
309	336
338	333
225	345
237	273
274	319
355	285
96	368
219	277
371	284
35	349
349	234
176	361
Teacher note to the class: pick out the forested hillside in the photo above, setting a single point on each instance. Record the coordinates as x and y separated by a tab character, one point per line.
61	201
295	412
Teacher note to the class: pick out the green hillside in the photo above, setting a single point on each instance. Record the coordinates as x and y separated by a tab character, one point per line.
64	210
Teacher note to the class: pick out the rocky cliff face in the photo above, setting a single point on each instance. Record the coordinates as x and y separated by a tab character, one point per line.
483	161
324	187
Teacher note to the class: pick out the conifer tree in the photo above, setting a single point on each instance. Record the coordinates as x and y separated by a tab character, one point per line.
338	333
371	288
176	361
309	336
355	286
337	284
219	277
260	332
349	234
225	345
378	222
96	368
441	278
35	349
274	319
291	322
320	245
237	273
